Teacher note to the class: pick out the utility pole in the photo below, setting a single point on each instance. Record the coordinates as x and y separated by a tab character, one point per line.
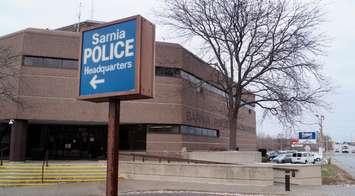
321	138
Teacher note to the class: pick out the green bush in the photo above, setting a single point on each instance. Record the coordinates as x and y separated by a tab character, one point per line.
264	159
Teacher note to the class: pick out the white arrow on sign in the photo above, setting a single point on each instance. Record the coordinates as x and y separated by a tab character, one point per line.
94	82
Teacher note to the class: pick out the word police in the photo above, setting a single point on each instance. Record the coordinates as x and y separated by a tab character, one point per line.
109	46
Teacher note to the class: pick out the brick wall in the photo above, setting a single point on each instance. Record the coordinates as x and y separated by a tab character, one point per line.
49	95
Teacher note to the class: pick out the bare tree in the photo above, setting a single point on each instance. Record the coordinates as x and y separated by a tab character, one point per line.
8	72
261	48
265	141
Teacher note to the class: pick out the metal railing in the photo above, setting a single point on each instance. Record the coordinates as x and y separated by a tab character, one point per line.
44	163
2	155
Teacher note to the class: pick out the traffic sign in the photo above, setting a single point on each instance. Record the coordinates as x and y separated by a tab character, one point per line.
307	137
117	60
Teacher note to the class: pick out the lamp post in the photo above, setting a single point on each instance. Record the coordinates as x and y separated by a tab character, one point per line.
321	139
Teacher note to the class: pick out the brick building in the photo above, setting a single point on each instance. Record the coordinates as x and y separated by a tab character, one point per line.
184	115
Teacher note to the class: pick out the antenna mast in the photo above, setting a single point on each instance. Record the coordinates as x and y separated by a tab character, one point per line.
92	10
79	17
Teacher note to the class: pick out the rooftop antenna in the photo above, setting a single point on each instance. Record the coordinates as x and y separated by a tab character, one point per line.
92	10
79	17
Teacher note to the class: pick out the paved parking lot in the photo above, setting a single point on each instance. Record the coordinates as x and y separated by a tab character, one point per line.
346	162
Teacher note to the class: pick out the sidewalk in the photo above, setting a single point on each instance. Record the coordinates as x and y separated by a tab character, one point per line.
129	187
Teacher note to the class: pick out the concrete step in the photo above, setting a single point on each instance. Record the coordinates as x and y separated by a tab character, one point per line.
51	176
14	172
52	166
25	181
24	174
50	170
25	184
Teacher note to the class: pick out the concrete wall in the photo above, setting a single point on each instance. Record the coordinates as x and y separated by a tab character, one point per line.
251	174
226	156
202	173
307	174
159	143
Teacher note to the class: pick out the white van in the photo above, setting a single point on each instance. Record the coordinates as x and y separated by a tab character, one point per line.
302	157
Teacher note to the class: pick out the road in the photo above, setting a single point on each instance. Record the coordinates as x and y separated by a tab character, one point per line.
346	162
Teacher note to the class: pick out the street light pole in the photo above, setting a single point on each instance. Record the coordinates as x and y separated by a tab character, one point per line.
321	139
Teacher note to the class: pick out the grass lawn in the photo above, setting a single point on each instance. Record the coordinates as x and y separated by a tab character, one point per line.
332	175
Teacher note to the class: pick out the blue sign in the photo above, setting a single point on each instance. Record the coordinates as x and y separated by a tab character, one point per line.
307	135
108	59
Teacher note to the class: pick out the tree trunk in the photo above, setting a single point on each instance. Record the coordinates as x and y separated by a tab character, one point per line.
233	124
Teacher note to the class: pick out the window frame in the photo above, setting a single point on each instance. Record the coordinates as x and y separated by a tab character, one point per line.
41	62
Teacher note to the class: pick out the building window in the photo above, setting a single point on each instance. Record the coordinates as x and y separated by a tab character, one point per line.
174	129
167	71
197	131
195	80
183	129
50	62
30	60
70	64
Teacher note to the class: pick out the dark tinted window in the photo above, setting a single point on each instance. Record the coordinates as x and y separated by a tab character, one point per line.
163	129
188	130
183	129
50	62
167	71
71	64
33	61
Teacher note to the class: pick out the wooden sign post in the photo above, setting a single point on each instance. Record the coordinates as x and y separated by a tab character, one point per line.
117	63
112	147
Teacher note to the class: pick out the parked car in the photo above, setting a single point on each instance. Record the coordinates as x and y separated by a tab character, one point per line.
302	157
283	158
345	151
272	154
291	151
316	156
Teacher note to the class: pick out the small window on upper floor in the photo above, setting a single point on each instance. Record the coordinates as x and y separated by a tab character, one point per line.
167	71
198	131
71	64
50	62
163	129
36	61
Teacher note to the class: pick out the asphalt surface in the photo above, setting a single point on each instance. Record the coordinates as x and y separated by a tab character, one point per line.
346	162
185	193
160	188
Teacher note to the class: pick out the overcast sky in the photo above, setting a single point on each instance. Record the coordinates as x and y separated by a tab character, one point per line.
339	63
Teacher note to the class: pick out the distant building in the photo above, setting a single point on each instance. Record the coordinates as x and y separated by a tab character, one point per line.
184	115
